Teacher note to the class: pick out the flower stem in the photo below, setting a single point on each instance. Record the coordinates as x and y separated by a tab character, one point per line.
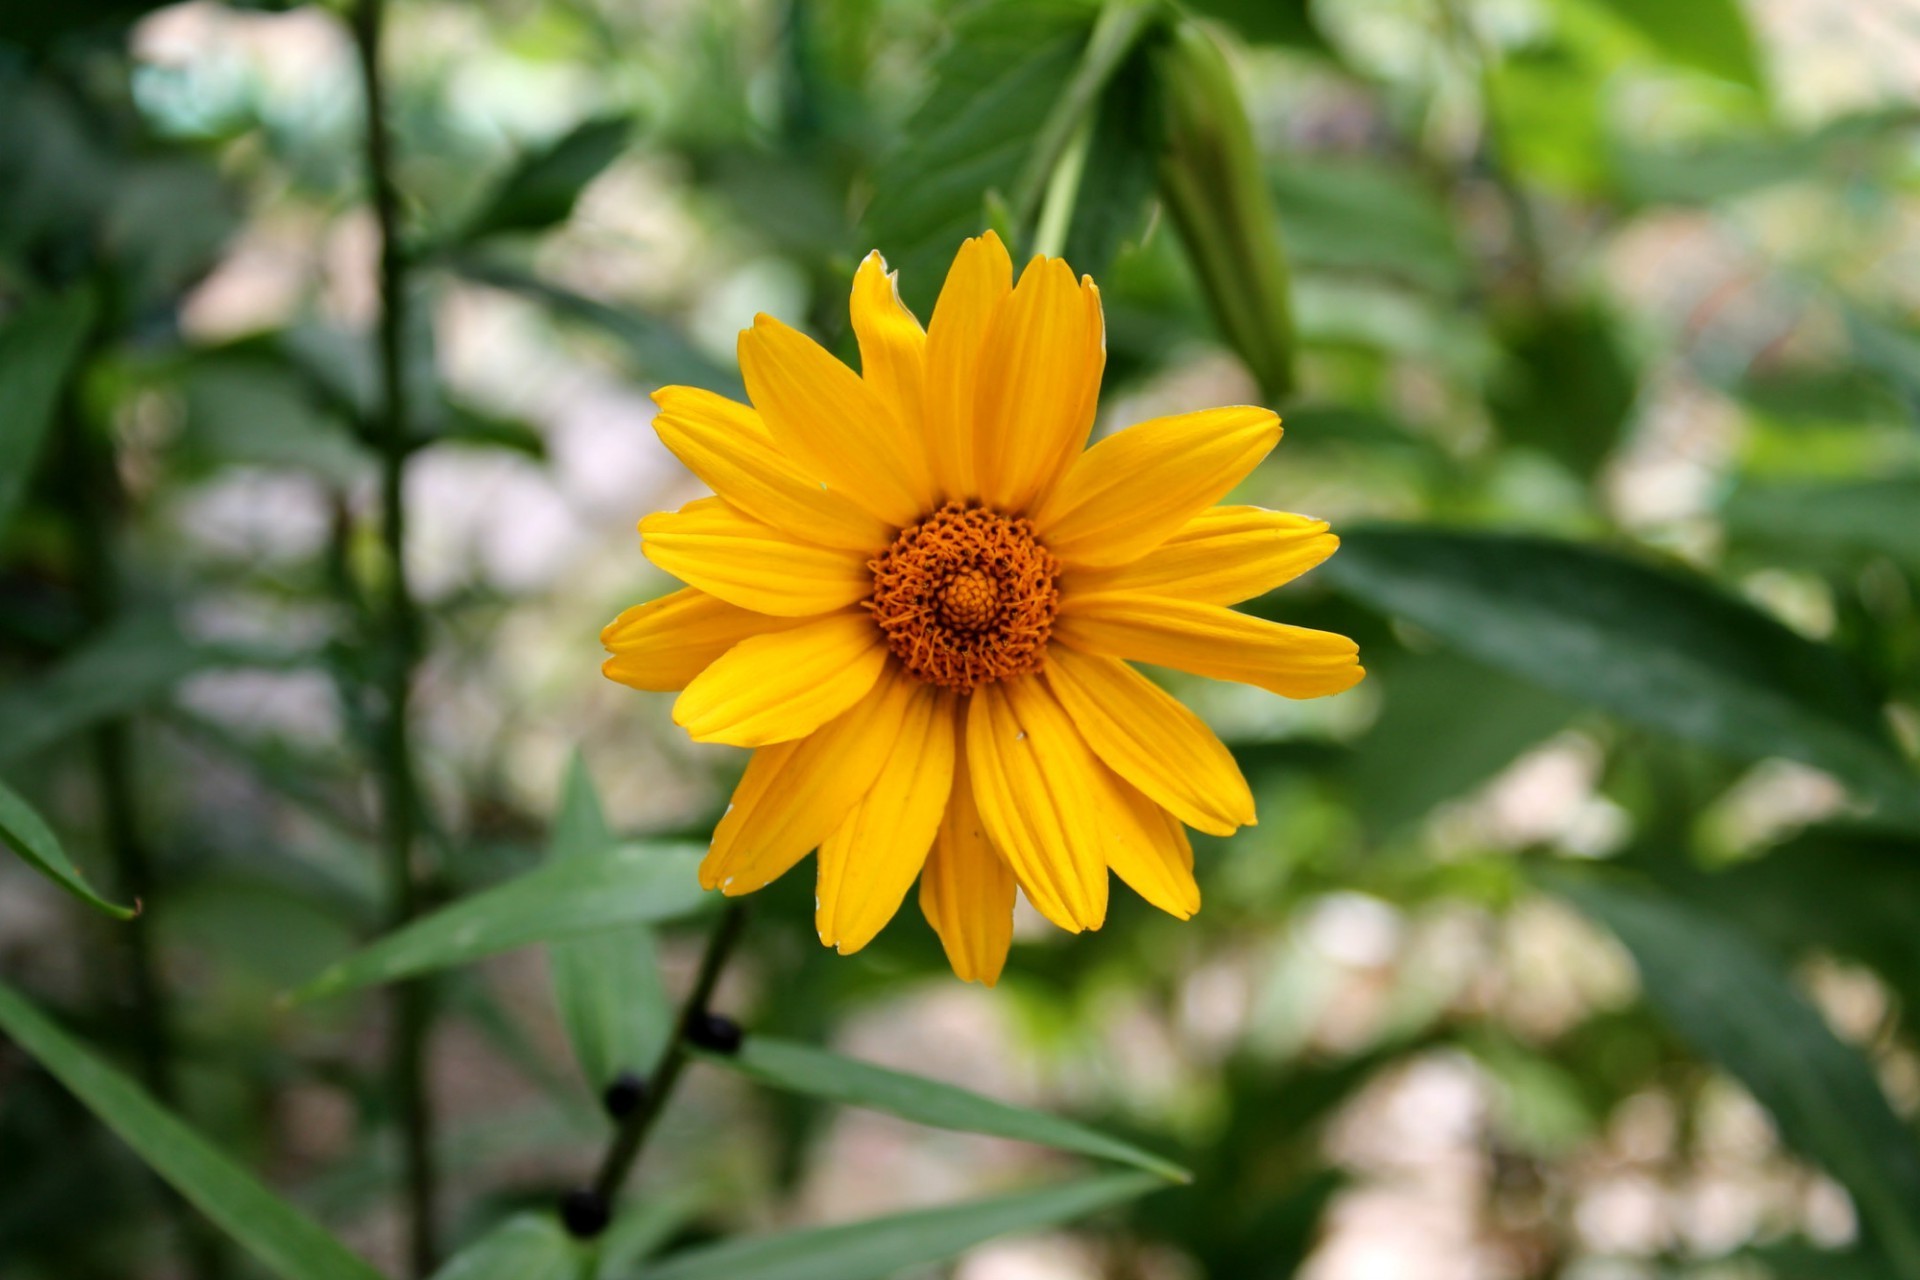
398	640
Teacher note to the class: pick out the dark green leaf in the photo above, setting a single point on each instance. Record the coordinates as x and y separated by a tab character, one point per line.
1568	388
1282	22
1827	526
1116	184
23	829
819	1074
1652	645
540	191
879	1248
1736	1006
1350	216
38	346
607	987
281	1238
638	884
530	1246
466	425
1711	35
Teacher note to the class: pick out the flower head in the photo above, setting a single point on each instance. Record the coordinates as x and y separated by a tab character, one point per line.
917	593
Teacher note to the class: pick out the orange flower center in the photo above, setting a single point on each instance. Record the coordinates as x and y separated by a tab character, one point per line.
966	597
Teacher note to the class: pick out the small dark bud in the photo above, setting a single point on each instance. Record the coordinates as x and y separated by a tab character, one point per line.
585	1213
624	1096
715	1032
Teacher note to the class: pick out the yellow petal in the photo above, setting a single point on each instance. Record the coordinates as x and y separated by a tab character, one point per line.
980	277
893	346
1034	780
1135	489
778	687
662	644
1209	640
1038	382
1143	733
796	794
709	545
966	889
727	446
868	864
1151	853
836	426
1222	556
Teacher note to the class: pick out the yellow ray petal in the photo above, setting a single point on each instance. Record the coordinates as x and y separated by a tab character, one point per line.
796	794
836	426
893	346
782	686
980	277
1150	851
724	552
966	889
727	446
1143	733
662	644
1133	490
868	863
1038	382
1209	640
1035	783
1222	556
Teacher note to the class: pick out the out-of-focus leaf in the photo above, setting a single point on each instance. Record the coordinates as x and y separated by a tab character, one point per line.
130	665
637	884
1793	1260
281	1238
883	1246
22	828
1447	726
607	987
1006	68
1379	317
1710	35
528	1246
820	1074
1367	217
1836	525
1567	389
1547	103
1653	646
38	346
467	425
165	225
254	406
1888	347
540	191
1735	1005
1282	22
1850	149
1116	184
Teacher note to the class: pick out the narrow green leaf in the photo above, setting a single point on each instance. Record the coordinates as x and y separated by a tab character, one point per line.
638	884
133	663
528	1246
879	1248
1653	646
1711	35
1348	215
30	837
607	987
1734	1003
1838	525
817	1073
541	190
1281	22
280	1237
1568	388
1111	207
38	346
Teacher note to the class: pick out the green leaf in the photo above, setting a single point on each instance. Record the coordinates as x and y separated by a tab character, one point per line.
528	1246
1839	525
30	837
280	1237
1281	22
1710	35
1007	67
1655	647
817	1073
1365	216
1568	389
1111	207
607	987
1736	1006
541	190
38	346
638	884
883	1246
127	667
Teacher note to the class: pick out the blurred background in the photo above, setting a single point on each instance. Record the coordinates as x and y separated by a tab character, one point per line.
1579	941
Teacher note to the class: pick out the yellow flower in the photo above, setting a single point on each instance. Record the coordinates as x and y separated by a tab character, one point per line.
917	593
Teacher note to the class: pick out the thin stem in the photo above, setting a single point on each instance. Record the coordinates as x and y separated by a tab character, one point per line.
635	1128
398	645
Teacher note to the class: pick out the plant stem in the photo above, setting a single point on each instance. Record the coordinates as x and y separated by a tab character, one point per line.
635	1128
398	646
